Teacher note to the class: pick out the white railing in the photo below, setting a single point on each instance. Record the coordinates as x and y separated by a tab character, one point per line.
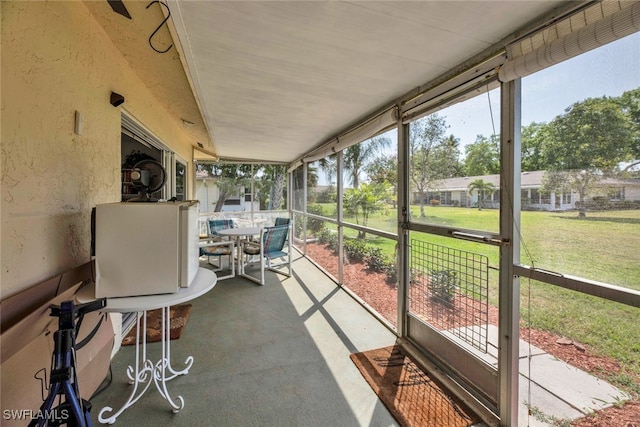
245	219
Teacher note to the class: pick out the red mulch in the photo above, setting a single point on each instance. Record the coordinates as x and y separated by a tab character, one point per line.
374	289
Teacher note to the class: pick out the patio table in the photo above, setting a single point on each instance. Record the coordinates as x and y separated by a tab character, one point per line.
237	233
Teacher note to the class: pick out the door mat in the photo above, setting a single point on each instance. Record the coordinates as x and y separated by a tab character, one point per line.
178	314
412	397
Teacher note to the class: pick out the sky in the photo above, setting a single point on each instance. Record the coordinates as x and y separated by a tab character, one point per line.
609	70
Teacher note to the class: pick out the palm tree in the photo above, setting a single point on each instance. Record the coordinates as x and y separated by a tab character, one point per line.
270	181
357	156
329	166
482	187
366	199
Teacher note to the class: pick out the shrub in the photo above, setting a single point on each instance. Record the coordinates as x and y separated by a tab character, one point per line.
324	235
627	204
327	196
332	241
377	261
443	285
355	249
392	272
374	259
314	225
598	203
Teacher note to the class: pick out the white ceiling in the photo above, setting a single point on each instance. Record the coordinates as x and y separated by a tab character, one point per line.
275	79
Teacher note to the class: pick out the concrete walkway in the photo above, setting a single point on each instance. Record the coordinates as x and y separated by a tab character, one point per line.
556	390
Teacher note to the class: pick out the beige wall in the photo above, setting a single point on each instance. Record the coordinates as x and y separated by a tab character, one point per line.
632	192
55	60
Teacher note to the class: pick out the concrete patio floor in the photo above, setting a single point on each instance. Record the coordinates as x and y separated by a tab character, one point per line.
279	355
273	355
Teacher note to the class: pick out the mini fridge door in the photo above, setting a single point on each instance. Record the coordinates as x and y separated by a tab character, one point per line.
145	248
189	241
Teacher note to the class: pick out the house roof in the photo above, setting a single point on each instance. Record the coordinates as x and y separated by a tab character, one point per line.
527	180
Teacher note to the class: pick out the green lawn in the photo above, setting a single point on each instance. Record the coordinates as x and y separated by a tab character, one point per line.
605	246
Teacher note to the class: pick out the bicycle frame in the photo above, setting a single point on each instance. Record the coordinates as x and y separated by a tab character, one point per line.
74	411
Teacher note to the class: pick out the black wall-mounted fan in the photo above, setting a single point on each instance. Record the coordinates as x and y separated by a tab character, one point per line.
147	176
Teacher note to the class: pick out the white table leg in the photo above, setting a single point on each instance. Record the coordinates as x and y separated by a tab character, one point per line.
239	250
138	376
164	364
167	342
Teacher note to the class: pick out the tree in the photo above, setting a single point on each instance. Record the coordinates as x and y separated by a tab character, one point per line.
450	153
630	104
483	156
230	178
532	138
329	166
432	157
297	191
586	144
356	157
270	183
363	201
482	188
384	170
276	195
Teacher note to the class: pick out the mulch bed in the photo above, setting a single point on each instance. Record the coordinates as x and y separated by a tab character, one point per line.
373	288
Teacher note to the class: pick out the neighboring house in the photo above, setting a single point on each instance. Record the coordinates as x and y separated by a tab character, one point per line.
455	192
208	194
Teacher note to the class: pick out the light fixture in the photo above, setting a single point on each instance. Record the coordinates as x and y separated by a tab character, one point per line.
116	99
77	127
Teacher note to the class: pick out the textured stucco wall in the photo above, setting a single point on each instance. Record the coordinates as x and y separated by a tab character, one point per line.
56	60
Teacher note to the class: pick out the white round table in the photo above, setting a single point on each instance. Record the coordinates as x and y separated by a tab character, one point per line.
237	233
145	370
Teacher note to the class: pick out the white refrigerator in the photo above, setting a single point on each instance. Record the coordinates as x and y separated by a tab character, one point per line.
145	248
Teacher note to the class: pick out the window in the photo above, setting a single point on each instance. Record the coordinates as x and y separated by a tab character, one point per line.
535	196
545	198
138	144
